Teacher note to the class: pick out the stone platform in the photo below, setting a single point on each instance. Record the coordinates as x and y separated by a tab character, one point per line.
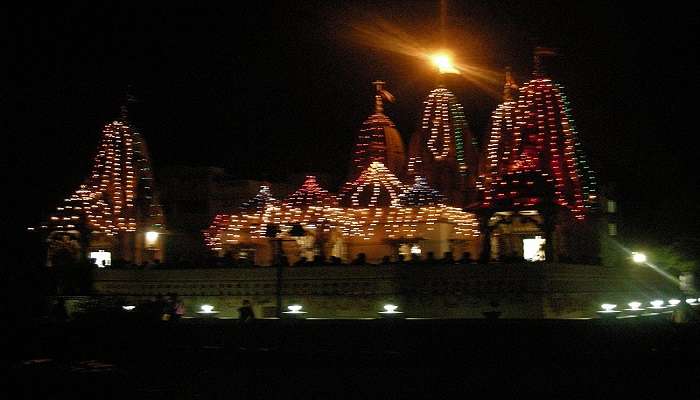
533	290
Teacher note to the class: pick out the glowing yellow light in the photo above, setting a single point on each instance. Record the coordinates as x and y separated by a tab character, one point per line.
444	63
639	257
151	237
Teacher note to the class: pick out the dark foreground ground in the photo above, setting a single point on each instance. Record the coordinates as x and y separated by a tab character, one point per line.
122	357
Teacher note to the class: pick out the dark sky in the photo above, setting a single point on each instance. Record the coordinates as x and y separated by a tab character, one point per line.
268	88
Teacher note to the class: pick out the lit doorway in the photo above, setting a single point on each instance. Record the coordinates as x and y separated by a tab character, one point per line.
533	249
102	258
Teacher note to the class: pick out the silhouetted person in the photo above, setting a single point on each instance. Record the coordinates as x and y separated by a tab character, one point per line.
245	312
360	260
401	259
682	313
319	261
430	258
415	258
336	260
58	312
301	262
176	307
466	258
447	258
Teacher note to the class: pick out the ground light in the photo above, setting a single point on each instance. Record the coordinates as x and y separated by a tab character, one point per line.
691	301
608	310
634	306
674	302
657	304
295	311
390	310
128	308
207	310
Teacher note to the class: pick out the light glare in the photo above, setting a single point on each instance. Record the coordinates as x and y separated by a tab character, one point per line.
444	63
639	258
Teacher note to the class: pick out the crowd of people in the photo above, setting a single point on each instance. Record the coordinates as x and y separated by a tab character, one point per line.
230	261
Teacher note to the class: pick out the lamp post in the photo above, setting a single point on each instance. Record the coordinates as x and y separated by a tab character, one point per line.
271	232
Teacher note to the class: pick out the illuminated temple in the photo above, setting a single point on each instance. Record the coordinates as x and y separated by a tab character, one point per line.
529	194
115	213
489	208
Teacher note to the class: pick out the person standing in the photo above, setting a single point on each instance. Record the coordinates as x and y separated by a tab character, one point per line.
245	313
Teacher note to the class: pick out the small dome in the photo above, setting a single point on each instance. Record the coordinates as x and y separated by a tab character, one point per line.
259	201
375	187
420	194
378	140
310	194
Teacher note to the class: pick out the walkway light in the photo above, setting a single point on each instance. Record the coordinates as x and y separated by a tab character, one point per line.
657	304
691	301
634	306
390	309
608	310
207	309
128	308
674	302
294	309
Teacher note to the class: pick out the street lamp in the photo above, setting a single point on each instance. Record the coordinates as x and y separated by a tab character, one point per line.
638	257
443	62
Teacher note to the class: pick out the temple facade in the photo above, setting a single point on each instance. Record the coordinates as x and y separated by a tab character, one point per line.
114	216
528	194
538	197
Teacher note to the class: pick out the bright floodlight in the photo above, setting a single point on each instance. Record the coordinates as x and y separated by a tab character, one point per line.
657	303
295	308
207	309
390	308
608	307
639	258
634	305
444	63
674	302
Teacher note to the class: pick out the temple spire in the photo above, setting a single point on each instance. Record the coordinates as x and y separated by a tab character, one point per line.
538	54
509	86
124	109
378	100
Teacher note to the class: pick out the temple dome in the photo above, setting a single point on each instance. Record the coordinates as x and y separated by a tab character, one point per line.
420	194
375	187
378	140
258	202
310	194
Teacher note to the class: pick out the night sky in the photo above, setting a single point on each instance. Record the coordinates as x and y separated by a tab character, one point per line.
266	89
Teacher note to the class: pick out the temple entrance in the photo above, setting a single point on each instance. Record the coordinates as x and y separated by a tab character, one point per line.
102	258
533	249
